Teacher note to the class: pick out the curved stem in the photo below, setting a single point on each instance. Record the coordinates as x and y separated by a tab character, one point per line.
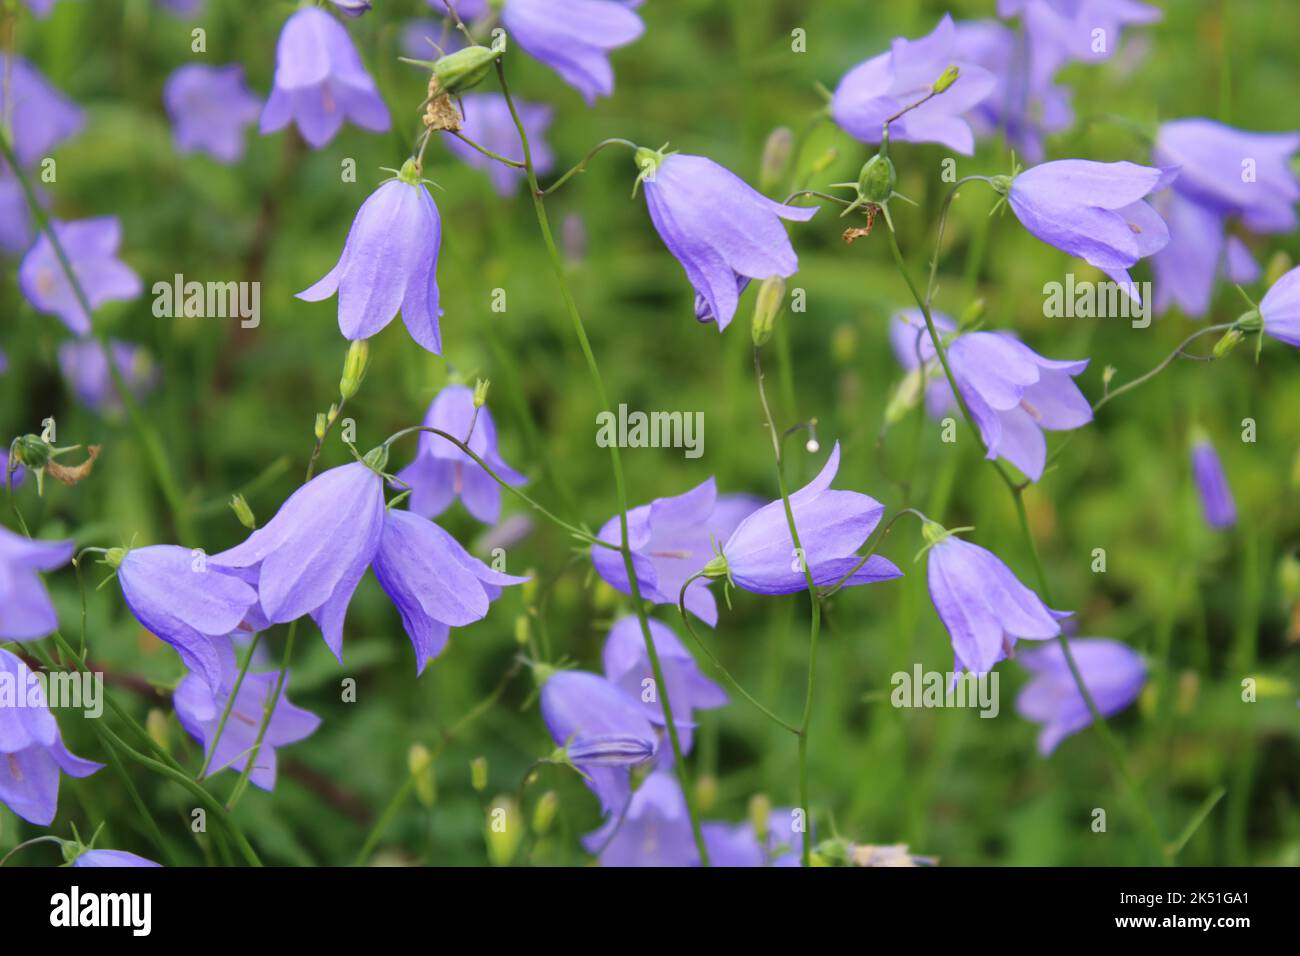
582	165
1177	353
943	224
880	536
512	163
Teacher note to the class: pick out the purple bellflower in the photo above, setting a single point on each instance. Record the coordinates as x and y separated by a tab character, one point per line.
1113	673
1280	309
181	8
31	748
209	108
389	262
26	613
310	557
468	9
111	859
40	115
91	246
760	555
352	8
487	121
85	369
1212	485
910	340
320	81
574	38
1199	253
435	583
738	845
873	91
655	830
1088	31
982	603
1013	394
441	472
720	230
16	226
1094	211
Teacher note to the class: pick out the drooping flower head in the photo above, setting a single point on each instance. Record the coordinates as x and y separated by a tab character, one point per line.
91	246
1212	485
113	859
320	81
1088	31
31	748
655	830
760	555
352	8
910	340
435	583
16	227
1014	394
739	845
389	262
26	613
40	115
574	38
982	603
1113	673
487	121
441	472
85	369
209	108
873	91
1280	309
720	230
1199	254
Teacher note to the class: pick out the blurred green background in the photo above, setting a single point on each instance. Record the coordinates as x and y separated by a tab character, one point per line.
713	78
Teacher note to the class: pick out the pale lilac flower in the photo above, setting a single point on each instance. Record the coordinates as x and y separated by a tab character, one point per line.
1197	256
873	91
16	227
209	107
41	8
1088	31
434	582
655	830
310	557
4	363
26	613
1014	394
85	369
610	750
352	8
738	845
441	472
1212	485
468	9
760	555
720	230
320	81
1280	309
417	34
574	38
111	859
487	121
31	748
91	246
914	349
982	603
41	116
1094	211
1113	673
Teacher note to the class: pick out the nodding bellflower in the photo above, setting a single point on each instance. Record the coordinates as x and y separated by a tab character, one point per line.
722	232
112	859
488	122
1088	31
209	108
441	472
16	226
85	369
40	116
389	262
654	831
31	749
309	558
320	81
574	38
738	845
760	555
910	340
1114	674
1280	309
91	246
26	613
1212	485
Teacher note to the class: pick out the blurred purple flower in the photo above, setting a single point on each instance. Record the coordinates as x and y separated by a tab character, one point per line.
655	830
909	336
181	8
574	38
31	748
488	122
389	262
1086	31
873	91
91	246
209	107
310	557
610	750
467	9
16	227
320	81
111	859
1212	485
85	369
40	115
440	472
417	33
1014	394
760	554
352	8
4	363
982	603
1113	673
738	845
720	230
26	613
1280	309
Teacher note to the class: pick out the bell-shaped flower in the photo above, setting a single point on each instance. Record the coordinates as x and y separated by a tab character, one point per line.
655	830
1212	485
442	472
85	369
320	81
1280	309
435	583
389	262
1087	31
210	106
26	613
16	227
488	122
1014	394
910	340
1094	211
1114	674
877	89
574	38
760	555
982	603
722	232
31	748
40	117
739	845
1200	253
91	246
111	859
310	557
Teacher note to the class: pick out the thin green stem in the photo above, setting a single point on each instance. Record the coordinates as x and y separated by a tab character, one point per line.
268	711
230	705
582	165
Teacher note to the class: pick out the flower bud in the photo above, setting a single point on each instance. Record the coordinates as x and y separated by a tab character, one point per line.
905	398
463	69
877	180
767	306
1288	577
776	156
521	629
1231	339
760	815
354	368
243	512
420	762
478	774
548	807
32	451
321	424
946	79
972	315
706	792
504	833
155	723
1278	266
481	387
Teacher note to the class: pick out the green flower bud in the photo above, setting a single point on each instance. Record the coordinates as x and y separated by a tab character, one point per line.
946	79
159	730
521	629
463	69
481	387
767	306
877	180
32	451
420	762
972	315
776	156
243	512
354	366
478	774
1288	577
544	814
1278	266
1231	339
322	423
760	813
503	830
905	398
